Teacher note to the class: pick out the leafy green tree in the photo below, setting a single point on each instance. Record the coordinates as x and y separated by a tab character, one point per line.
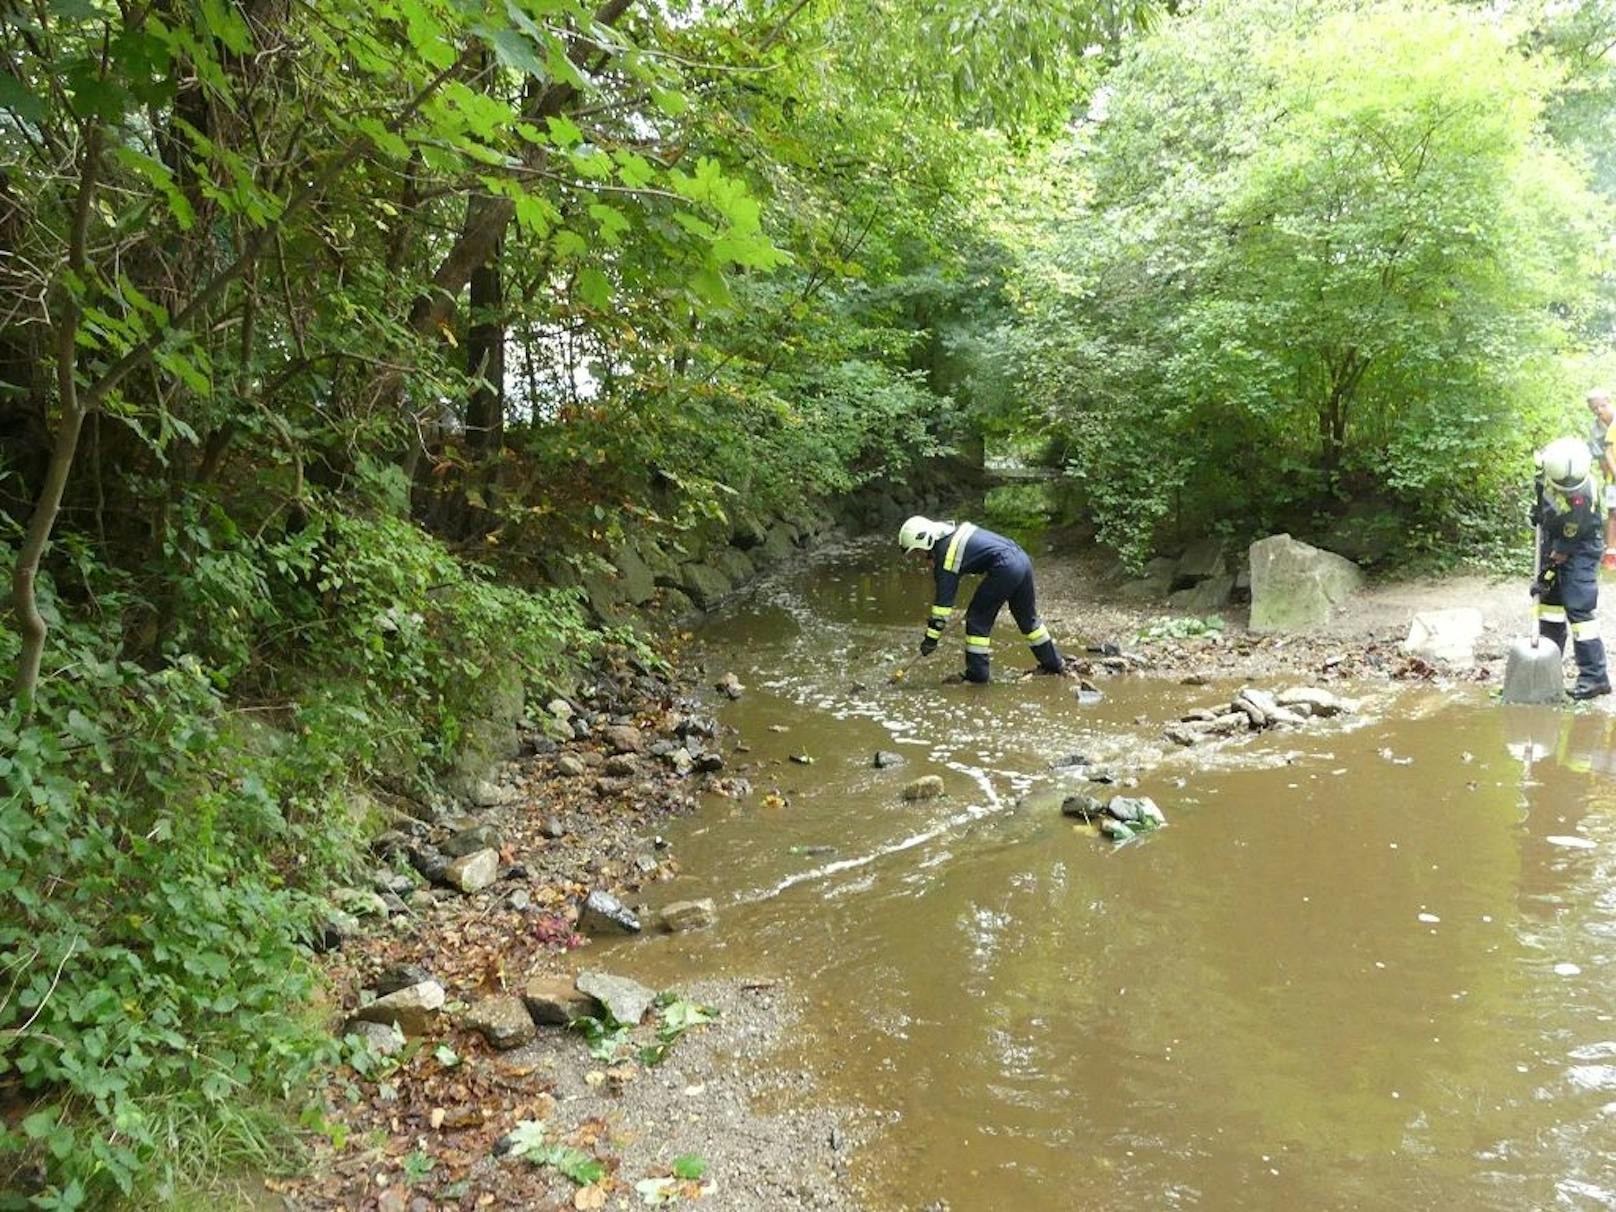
329	334
1314	253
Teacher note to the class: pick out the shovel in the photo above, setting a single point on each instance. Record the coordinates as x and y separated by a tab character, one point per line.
898	675
1534	672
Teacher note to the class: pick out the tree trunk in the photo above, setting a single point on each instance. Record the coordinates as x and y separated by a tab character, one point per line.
1344	379
488	217
485	359
24	588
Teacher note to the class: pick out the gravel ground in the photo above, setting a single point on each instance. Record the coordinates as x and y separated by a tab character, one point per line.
428	1129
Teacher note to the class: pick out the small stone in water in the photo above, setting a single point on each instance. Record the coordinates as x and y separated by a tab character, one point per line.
689	915
1085	806
603	913
1138	811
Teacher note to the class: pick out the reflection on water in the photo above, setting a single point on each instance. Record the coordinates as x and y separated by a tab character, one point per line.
1366	966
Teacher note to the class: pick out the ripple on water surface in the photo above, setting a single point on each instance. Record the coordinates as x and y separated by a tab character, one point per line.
1335	980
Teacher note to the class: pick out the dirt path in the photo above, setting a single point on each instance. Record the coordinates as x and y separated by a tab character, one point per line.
1363	638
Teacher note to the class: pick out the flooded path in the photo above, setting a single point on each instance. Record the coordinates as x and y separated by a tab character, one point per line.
1369	964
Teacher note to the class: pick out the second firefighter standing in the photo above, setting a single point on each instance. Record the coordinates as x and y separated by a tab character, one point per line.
1567	507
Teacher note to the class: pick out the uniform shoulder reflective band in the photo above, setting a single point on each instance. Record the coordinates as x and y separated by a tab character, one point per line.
956	547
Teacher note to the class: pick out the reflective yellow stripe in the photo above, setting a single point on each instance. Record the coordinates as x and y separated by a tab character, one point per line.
941	612
1036	636
1551	614
978	643
1588	629
934	633
956	547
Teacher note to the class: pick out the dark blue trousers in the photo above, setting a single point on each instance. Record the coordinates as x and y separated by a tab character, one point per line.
1009	582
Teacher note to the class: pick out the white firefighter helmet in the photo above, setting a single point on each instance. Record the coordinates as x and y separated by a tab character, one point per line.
921	534
1565	463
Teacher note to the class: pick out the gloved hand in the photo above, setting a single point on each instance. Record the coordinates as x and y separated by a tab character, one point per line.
1535	514
928	646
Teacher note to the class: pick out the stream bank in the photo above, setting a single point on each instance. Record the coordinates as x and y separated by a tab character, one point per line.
778	1094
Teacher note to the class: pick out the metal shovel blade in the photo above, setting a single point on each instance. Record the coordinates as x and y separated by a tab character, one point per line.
1534	673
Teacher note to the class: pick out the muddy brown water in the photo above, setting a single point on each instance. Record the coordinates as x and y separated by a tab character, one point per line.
1370	964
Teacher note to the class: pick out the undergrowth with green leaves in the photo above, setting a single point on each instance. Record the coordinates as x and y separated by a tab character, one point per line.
167	829
1185	627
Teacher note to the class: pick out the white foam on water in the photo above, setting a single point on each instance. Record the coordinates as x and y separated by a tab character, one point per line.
1573	843
974	812
1592	1077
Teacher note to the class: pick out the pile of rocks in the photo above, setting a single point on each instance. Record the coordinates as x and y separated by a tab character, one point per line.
1253	710
1119	818
406	1002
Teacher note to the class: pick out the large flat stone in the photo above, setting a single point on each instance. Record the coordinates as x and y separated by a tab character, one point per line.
1206	595
1153	584
1448	635
503	1021
778	545
555	998
474	872
734	564
1295	586
1201	560
634	575
705	584
625	738
626	1000
603	913
472	839
412	1008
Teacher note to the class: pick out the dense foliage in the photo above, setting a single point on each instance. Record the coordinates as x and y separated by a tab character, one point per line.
329	335
1300	256
334	335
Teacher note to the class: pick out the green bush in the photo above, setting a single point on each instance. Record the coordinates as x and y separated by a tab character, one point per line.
166	833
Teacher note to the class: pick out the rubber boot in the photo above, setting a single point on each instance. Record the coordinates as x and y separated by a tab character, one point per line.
1049	660
1592	680
976	667
1553	631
